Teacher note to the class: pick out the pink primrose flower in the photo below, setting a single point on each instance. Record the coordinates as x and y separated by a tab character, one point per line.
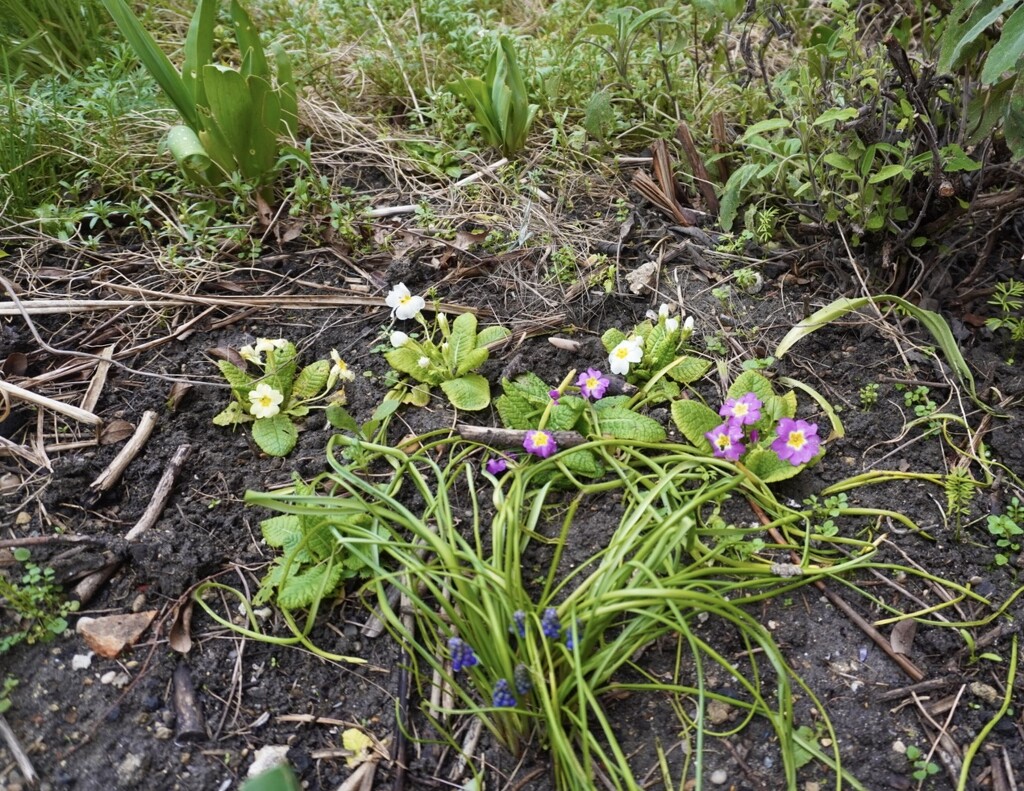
540	443
725	441
744	410
592	384
798	441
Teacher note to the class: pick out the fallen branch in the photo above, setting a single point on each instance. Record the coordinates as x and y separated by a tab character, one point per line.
73	412
161	494
112	474
513	438
20	756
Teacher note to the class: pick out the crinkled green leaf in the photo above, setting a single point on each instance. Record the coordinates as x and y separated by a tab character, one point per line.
471	360
275	435
232	415
282	531
565	413
583	462
694	420
612	338
240	381
751	382
462	339
310	585
491	334
340	418
515	410
766	465
624	423
529	384
406	360
689	369
469	393
311	381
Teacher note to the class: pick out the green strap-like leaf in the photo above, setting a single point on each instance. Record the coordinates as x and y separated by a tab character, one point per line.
199	49
254	60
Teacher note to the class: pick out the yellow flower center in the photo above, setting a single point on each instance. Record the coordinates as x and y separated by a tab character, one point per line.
622	352
265	400
592	383
723	442
405	299
740	410
796	440
540	439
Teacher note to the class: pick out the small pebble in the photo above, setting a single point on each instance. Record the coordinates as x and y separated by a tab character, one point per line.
719	777
163	733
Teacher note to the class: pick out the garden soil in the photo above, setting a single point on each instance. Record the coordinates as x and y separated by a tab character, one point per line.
92	723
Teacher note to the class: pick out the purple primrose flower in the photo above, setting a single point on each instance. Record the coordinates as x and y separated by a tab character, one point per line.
725	441
496	466
540	443
592	384
554	396
798	441
743	410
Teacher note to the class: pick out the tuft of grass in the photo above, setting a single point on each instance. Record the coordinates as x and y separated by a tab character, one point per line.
39	37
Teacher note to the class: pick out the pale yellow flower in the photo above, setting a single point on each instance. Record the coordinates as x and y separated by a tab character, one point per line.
264	401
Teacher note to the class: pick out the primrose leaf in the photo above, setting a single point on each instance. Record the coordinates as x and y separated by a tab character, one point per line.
530	385
418	395
462	340
751	382
275	435
311	380
279	778
471	360
612	338
624	423
565	413
309	586
231	415
689	369
470	392
282	531
583	462
406	361
515	410
694	421
766	465
339	417
239	380
491	334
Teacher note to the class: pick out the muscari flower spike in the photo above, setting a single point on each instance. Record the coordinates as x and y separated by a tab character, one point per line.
572	634
797	441
461	653
502	696
522	679
549	624
519	623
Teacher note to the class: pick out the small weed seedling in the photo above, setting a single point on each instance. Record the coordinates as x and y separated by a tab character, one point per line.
1009	299
38	610
869	396
923	768
282	394
10	682
1007	529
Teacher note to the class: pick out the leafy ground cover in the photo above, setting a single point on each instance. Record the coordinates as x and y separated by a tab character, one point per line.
607	397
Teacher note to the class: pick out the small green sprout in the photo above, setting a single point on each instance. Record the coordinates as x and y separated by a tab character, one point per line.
869	396
923	768
1007	528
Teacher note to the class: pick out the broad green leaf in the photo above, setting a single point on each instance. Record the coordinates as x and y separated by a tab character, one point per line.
750	382
565	413
239	380
275	435
188	152
472	360
309	586
286	89
515	411
418	395
311	380
766	465
583	462
153	58
731	195
1013	122
836	114
1006	53
340	418
612	338
962	33
266	124
932	322
624	423
231	415
282	531
462	339
279	778
407	361
386	408
886	173
529	384
689	369
231	112
694	420
491	334
469	393
840	162
768	125
254	59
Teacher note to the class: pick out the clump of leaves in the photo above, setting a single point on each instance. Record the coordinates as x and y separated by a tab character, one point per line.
1009	300
499	101
281	394
448	363
659	362
37	609
313	563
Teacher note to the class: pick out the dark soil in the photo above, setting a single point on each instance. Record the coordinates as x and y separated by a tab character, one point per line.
83	733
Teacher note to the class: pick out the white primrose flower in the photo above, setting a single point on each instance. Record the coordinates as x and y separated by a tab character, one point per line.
265	345
687	327
341	370
399	339
402	303
250	355
622	356
671	324
663	310
265	401
423	362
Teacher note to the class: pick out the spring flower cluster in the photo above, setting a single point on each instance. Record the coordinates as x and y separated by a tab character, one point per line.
461	653
796	440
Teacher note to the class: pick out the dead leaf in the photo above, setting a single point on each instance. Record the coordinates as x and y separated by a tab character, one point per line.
464	240
227	353
179	638
357	743
109	635
116	431
902	638
643	277
178	392
15	365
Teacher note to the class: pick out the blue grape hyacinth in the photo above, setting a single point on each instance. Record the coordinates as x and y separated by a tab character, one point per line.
461	653
519	623
550	625
502	696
